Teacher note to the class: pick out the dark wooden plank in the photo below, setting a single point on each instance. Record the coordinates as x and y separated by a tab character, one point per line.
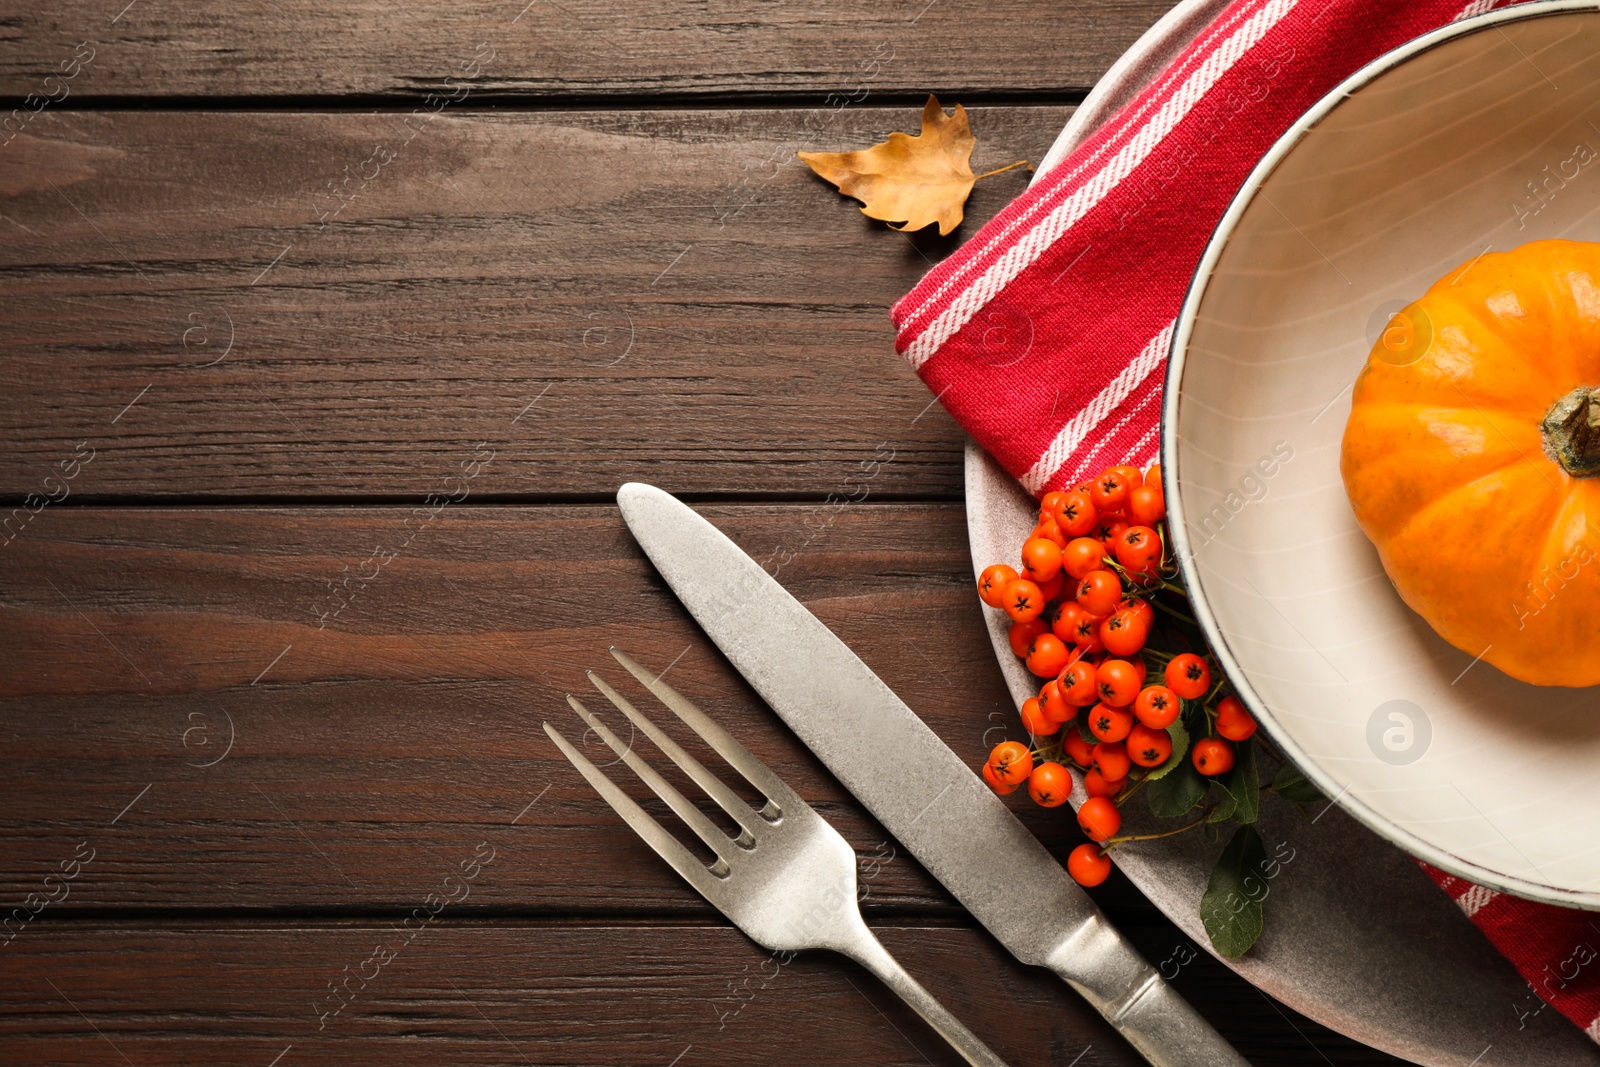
676	297
461	992
134	642
564	48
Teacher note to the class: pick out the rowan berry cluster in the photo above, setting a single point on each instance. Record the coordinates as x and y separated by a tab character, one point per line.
1083	607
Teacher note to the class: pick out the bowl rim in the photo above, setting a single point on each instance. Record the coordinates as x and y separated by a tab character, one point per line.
1177	528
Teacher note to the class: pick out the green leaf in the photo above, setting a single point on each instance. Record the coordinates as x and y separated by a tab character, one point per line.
1241	787
1231	906
1180	750
1226	804
1176	792
1293	786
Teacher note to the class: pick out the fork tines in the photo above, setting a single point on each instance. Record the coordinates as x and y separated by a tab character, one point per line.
750	822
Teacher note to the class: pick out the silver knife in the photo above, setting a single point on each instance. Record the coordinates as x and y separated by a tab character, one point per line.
926	796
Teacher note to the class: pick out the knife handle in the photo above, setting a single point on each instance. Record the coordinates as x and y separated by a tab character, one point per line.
868	951
1112	976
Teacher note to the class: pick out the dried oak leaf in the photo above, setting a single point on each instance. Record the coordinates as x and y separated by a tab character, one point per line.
915	181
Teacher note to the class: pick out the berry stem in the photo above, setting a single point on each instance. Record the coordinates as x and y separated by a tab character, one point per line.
1126	793
1174	612
1111	843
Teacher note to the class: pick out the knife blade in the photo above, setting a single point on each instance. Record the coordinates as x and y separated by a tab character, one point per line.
925	796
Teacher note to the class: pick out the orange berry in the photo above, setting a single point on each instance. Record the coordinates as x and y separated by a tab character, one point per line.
1188	676
1146	505
1157	707
1012	762
1109	491
1022	634
1140	607
1048	530
1078	684
1099	592
1003	788
1041	559
1130	474
1099	818
1035	721
1047	655
1111	757
1138	548
1147	747
1076	515
1088	865
1049	785
1086	631
1053	704
1097	785
1125	632
1117	682
1108	723
1233	721
992	584
1081	751
1082	555
1064	620
1110	528
1024	601
1212	756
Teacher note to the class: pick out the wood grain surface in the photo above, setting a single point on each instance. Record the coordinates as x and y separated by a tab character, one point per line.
514	991
550	50
380	728
226	305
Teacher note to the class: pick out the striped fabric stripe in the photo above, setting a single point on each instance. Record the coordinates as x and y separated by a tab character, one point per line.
986	246
1034	241
1088	420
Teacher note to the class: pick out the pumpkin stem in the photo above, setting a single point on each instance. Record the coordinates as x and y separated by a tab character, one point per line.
1572	432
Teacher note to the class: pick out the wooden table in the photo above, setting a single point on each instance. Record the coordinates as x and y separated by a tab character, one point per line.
330	331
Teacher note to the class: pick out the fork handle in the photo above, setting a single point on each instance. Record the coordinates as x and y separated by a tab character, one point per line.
870	953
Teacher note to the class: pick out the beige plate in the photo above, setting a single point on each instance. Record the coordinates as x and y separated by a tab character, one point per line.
1357	937
1416	165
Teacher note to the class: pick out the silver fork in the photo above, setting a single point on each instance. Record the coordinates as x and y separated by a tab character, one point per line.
788	880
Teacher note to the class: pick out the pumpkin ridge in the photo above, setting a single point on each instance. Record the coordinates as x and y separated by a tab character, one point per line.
1399	532
1377	459
1491	350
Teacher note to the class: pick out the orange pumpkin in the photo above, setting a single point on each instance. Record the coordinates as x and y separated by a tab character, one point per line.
1472	459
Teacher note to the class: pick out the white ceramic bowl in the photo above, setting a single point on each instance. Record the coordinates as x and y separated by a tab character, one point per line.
1415	165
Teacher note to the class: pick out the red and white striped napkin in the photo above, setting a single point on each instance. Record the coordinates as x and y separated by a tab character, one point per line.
1046	335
